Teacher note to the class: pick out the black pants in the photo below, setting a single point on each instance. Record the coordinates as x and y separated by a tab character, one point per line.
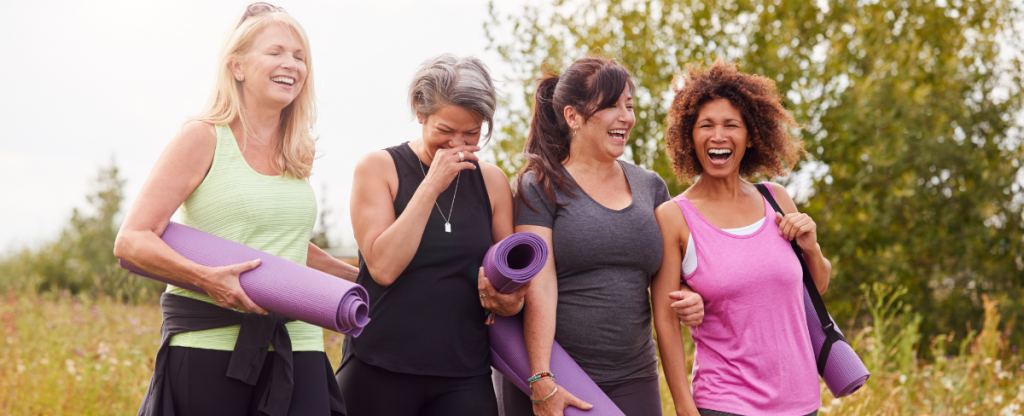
639	397
200	387
374	391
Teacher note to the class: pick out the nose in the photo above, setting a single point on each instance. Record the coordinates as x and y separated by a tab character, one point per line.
457	140
719	133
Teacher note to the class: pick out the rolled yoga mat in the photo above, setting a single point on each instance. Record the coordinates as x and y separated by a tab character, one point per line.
844	370
509	265
514	261
277	285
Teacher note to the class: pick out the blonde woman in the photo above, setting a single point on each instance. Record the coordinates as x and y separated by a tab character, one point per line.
238	171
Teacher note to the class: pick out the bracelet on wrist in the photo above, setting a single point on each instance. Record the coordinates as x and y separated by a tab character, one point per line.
548	397
538	376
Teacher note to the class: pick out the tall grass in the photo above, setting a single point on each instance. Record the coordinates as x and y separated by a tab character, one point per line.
985	378
63	354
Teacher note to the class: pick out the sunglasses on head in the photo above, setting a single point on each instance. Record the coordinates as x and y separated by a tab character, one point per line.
257	9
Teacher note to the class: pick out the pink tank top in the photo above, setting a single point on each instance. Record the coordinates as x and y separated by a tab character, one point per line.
753	353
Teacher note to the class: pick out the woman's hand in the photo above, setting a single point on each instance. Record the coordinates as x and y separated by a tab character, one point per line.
800	226
497	302
556	404
447	164
689	306
223	286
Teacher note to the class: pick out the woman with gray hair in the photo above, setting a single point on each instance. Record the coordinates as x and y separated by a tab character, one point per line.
422	233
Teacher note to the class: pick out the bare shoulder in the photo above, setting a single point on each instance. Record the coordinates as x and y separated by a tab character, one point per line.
783	198
375	164
492	172
669	214
197	135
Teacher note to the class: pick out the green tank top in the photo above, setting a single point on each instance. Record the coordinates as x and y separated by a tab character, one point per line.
274	214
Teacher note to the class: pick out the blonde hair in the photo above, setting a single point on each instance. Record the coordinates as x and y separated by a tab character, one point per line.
295	151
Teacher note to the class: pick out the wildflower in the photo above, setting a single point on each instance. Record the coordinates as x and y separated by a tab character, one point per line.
70	364
102	349
998	399
21	368
97	367
126	363
903	378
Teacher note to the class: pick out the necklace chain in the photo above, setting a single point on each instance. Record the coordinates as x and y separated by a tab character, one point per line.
447	220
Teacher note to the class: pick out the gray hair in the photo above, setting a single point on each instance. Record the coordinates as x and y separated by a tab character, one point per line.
450	80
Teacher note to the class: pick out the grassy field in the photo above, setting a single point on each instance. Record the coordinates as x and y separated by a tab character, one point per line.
63	355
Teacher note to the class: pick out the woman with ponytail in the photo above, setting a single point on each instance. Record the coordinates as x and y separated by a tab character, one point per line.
597	215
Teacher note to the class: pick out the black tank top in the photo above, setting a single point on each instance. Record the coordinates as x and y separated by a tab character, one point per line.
429	321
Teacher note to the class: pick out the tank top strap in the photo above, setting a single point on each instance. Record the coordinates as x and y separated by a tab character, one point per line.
693	218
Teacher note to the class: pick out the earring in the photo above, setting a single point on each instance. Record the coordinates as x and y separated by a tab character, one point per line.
240	78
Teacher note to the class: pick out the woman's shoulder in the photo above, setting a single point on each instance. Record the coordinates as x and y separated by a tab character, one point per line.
650	178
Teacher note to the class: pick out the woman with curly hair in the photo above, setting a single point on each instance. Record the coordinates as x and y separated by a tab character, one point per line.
721	236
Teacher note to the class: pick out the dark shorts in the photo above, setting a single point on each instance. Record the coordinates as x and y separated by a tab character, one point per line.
638	397
373	391
200	387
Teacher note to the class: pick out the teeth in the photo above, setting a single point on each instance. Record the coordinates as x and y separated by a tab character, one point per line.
622	132
285	80
719	151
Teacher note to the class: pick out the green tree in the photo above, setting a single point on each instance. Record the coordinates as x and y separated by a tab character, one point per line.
912	116
81	259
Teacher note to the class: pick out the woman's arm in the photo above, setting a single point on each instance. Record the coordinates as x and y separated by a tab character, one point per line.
500	194
320	260
179	170
387	243
674	234
803	228
539	330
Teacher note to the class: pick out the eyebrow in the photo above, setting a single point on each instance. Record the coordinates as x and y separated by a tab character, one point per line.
451	128
283	47
727	120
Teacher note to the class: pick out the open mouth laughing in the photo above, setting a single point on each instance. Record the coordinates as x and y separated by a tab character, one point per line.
719	156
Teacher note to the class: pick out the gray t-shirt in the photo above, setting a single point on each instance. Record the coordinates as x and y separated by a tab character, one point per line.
604	260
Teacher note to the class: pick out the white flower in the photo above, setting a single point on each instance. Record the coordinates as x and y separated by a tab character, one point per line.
903	378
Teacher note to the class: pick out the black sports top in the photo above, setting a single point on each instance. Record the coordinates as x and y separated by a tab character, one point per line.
429	321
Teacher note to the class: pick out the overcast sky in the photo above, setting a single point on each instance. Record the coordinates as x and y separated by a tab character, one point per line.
87	81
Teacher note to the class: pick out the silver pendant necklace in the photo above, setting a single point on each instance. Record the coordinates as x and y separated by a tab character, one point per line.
447	220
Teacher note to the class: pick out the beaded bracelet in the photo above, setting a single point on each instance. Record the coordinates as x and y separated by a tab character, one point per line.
538	376
549	396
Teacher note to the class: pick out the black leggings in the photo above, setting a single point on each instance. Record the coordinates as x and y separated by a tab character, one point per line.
200	387
374	391
638	397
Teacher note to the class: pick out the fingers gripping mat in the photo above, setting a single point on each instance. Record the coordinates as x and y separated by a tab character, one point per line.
277	285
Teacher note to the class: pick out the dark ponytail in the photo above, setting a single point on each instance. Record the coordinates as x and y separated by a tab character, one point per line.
589	85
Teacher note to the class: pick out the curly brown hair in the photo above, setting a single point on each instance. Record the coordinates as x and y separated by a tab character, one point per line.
773	150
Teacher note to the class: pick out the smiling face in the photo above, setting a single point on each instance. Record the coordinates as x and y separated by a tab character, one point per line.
720	138
450	126
275	70
606	132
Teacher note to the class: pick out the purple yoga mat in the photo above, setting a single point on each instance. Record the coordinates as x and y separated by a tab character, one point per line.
514	261
509	265
277	285
844	371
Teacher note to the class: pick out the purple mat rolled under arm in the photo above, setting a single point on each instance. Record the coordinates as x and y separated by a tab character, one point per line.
277	285
514	261
844	371
509	265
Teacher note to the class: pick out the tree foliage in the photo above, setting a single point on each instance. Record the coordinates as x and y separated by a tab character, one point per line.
911	112
81	259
